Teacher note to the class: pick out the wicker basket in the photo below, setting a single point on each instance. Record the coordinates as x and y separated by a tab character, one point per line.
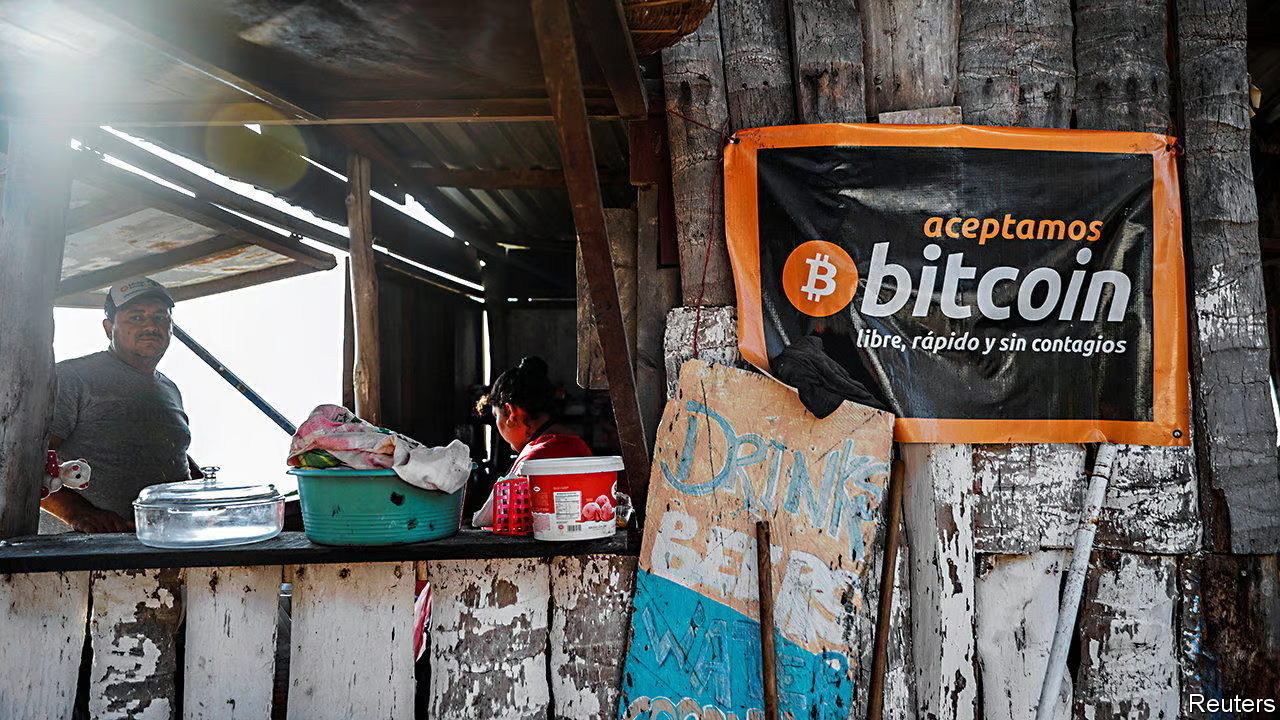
658	24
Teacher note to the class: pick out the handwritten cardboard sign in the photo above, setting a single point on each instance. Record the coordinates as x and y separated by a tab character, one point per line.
734	448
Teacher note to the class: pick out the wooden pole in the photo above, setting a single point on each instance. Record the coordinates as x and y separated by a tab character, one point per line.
880	656
1236	431
37	187
693	80
364	290
768	652
564	85
348	341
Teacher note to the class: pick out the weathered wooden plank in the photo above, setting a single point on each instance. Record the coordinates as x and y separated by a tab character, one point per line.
693	78
1015	63
620	225
910	53
590	607
661	294
41	633
133	626
1128	638
826	45
232	614
1122	71
352	634
489	633
757	63
367	377
606	25
717	333
1236	432
939	513
1028	496
1017	607
32	229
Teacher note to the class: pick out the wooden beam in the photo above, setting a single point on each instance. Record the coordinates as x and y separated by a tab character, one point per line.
89	169
148	264
522	179
209	287
33	211
101	212
344	112
364	291
557	47
367	143
606	26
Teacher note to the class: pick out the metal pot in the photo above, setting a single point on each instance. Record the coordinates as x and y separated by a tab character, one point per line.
207	513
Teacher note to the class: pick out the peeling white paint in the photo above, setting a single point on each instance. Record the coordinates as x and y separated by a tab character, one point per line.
489	634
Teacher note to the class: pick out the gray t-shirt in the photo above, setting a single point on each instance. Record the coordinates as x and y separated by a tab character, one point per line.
129	425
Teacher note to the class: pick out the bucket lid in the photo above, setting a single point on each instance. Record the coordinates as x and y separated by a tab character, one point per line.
211	492
571	465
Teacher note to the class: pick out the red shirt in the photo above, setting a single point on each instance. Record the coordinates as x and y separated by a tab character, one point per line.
552	446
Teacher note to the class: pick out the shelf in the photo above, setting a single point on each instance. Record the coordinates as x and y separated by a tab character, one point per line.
122	551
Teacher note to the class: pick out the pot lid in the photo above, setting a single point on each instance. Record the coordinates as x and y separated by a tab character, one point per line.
571	465
208	491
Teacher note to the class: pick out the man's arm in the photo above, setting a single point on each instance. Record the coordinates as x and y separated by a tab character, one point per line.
71	508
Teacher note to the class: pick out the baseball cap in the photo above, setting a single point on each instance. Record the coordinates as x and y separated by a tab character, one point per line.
122	294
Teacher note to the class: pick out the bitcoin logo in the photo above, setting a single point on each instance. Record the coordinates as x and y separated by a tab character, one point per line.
820	270
819	278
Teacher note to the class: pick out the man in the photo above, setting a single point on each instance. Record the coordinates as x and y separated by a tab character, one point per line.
114	410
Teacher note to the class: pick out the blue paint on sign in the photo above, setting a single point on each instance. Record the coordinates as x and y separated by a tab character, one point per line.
687	647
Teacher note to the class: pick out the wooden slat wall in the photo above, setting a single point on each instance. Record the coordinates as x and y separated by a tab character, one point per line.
41	642
352	652
513	638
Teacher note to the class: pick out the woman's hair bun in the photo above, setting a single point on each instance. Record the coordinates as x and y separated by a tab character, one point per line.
534	366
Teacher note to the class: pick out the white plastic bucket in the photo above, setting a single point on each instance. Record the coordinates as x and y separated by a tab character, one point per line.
573	498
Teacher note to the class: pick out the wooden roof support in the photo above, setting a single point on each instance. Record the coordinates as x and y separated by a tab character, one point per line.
32	228
611	40
101	212
523	179
148	264
90	170
179	293
342	112
367	376
362	140
560	65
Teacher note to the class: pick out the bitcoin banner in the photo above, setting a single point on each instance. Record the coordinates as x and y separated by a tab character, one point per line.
991	285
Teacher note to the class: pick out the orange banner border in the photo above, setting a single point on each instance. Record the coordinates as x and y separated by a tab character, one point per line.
1171	420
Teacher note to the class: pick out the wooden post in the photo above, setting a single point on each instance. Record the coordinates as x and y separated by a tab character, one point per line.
560	66
367	377
348	340
32	229
494	275
693	78
827	44
1235	427
757	63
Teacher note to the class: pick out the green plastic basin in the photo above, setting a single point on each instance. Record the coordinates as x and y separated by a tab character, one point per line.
341	506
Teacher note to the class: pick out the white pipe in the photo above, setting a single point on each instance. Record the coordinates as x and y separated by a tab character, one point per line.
1074	587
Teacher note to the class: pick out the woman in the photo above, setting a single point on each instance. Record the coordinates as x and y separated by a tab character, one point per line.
522	401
